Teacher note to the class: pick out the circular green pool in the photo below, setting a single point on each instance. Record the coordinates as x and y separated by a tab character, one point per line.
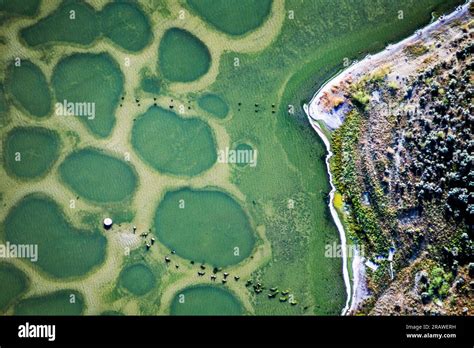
206	300
182	56
172	144
29	152
138	279
98	177
205	226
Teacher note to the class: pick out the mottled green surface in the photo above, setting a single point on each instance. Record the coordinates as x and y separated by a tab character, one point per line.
98	177
76	22
182	56
172	144
214	104
63	250
28	87
58	303
138	279
206	300
90	78
20	7
111	313
58	27
151	84
247	148
37	148
126	25
3	106
208	229
13	283
232	17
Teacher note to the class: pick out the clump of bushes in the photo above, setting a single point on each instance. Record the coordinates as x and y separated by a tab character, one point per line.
416	49
440	283
440	142
360	99
362	221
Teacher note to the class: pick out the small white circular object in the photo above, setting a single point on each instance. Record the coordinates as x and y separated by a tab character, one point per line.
108	223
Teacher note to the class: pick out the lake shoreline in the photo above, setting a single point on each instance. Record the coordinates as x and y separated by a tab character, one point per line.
337	221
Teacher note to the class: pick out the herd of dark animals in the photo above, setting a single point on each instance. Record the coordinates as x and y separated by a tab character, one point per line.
257	287
171	106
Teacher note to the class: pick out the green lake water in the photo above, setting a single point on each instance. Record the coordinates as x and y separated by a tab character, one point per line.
76	22
3	106
28	87
98	177
58	27
205	226
126	25
58	303
37	147
90	78
151	84
206	300
213	104
182	56
23	7
138	279
63	250
14	283
232	17
172	144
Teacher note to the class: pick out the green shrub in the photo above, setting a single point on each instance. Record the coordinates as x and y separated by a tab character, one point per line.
440	282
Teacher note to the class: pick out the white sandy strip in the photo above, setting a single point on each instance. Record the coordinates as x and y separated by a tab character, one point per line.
334	215
359	291
330	119
315	113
